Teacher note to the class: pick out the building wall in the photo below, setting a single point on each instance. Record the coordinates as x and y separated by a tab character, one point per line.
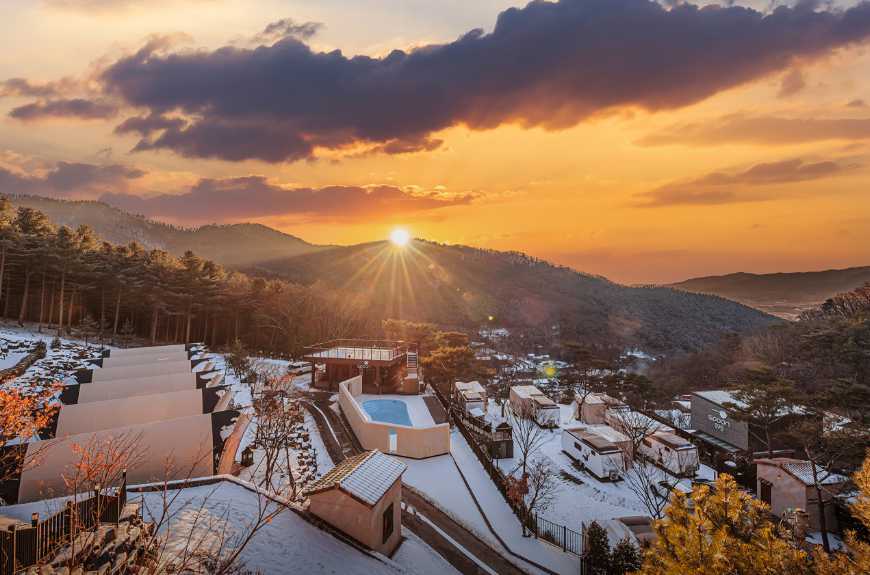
708	417
787	492
363	523
415	442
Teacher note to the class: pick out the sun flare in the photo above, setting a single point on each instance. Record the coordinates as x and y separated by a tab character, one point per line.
400	237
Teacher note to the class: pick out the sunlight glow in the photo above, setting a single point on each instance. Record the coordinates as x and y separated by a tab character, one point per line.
400	237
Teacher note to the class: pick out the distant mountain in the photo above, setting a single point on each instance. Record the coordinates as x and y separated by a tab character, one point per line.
232	244
781	294
461	285
448	285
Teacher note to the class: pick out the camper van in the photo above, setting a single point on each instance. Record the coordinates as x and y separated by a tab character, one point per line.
528	398
672	452
600	457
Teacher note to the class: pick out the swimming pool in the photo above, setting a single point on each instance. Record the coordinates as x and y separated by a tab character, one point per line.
388	411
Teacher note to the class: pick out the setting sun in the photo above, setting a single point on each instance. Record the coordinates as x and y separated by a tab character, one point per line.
400	237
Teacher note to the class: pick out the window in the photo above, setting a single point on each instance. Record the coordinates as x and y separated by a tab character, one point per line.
766	491
388	522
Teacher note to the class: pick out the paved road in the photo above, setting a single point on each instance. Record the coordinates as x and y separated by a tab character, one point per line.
469	542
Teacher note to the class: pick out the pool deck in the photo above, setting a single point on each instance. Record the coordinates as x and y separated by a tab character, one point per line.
417	410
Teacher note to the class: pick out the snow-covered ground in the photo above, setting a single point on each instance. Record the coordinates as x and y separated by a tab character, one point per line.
417	557
441	482
285	544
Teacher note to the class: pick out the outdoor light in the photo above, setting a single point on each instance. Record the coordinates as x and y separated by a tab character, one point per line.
400	237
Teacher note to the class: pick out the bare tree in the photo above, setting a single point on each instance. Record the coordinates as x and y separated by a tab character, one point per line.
633	424
100	464
542	485
528	435
277	415
652	486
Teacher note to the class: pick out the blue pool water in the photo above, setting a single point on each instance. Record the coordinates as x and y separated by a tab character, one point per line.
388	411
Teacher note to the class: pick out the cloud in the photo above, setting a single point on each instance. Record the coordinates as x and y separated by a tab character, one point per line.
79	108
741	129
857	103
68	179
792	83
288	28
112	5
550	64
23	87
741	186
256	197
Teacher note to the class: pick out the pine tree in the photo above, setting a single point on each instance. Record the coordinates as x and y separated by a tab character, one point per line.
857	560
718	530
597	549
625	558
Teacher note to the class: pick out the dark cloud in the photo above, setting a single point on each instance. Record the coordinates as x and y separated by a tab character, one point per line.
288	28
69	179
550	64
147	125
79	108
738	128
23	87
792	83
741	186
857	103
255	197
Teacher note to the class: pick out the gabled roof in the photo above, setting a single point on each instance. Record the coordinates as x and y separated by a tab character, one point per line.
803	471
366	477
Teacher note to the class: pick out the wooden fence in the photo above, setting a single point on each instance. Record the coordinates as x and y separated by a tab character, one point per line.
23	546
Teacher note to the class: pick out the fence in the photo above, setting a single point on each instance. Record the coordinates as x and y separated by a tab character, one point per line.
24	546
559	535
569	540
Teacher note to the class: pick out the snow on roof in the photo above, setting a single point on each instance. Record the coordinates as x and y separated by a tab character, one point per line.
473	386
803	471
718	396
367	476
608	433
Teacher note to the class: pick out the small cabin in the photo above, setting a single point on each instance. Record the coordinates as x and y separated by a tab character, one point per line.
600	457
530	399
787	484
471	397
362	498
672	452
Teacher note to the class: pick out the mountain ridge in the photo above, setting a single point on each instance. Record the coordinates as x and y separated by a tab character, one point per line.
785	294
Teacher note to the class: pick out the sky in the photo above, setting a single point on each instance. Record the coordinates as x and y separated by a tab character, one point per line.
647	142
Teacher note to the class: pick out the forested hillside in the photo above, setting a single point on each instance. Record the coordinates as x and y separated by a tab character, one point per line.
782	294
68	280
822	359
449	285
460	285
233	244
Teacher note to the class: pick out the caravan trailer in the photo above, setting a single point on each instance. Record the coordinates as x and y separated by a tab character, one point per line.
528	398
672	452
602	458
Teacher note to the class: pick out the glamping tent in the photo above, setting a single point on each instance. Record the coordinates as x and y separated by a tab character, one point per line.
100	415
133	387
180	448
142	370
152	349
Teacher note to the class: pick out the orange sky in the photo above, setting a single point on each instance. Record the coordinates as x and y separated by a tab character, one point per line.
709	187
